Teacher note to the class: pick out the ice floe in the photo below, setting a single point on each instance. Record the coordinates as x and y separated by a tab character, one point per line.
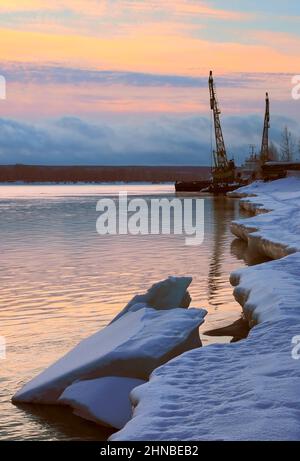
167	294
132	346
102	400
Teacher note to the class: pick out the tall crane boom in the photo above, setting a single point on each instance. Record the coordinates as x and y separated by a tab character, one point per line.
223	172
264	152
220	156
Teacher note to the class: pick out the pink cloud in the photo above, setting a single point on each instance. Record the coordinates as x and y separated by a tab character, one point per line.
82	6
180	8
284	42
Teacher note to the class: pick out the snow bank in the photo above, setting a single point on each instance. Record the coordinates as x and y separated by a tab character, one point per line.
247	390
168	294
270	291
242	391
130	347
275	234
103	400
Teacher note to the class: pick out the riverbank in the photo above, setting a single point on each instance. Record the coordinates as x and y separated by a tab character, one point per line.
247	390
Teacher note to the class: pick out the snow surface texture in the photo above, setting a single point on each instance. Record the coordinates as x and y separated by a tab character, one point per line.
132	346
103	400
247	390
167	294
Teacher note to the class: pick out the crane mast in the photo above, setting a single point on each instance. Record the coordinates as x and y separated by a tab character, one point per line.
224	169
264	153
220	156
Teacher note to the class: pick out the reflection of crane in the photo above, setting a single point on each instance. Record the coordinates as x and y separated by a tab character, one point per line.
264	152
223	212
224	170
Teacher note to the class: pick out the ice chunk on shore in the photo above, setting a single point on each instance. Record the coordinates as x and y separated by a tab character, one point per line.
103	400
167	294
133	346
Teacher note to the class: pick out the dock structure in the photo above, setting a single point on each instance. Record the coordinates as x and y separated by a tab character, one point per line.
277	170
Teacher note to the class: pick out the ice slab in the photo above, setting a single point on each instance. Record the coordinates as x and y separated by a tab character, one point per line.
132	346
104	401
167	294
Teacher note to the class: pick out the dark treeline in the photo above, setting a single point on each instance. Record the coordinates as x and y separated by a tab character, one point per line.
66	174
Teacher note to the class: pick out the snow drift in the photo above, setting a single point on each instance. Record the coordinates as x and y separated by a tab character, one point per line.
243	391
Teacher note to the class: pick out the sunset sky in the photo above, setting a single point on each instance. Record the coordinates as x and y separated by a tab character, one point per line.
125	82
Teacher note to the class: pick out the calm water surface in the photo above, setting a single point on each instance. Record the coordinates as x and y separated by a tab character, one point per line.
61	282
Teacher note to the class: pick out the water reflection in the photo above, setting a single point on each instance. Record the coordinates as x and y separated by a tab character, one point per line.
240	249
60	421
223	211
238	330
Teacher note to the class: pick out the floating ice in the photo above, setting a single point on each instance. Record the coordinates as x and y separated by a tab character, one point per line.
103	400
132	346
167	294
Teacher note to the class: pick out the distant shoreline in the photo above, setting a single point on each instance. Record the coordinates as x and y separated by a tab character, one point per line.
85	183
30	174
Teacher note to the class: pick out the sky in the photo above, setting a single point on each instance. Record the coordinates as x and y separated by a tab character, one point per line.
125	81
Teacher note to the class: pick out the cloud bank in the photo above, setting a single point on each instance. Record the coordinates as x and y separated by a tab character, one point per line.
167	140
48	73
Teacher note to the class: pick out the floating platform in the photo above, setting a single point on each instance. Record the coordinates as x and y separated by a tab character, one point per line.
207	186
191	186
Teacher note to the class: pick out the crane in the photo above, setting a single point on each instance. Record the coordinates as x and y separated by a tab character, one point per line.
264	152
224	169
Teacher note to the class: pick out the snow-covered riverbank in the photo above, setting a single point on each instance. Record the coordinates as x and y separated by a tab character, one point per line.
247	390
274	234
